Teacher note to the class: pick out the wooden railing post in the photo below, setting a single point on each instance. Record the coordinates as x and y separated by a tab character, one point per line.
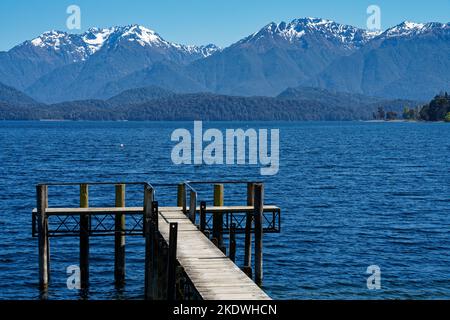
181	195
84	238
192	206
202	216
43	241
258	216
248	226
218	217
171	263
148	200
119	237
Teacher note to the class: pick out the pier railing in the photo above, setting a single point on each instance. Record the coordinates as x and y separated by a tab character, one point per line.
65	221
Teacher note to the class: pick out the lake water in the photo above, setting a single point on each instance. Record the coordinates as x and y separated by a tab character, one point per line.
352	194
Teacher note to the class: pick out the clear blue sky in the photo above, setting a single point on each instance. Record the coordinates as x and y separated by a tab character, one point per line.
202	21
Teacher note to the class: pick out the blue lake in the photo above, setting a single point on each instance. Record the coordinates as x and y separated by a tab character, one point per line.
352	194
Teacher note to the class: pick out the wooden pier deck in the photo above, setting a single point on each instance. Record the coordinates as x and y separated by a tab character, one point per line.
213	274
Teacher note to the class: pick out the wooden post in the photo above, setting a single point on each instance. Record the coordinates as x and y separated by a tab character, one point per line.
162	270
202	216
148	199
232	244
172	261
119	241
218	217
218	195
44	270
248	227
84	238
192	206
181	195
155	249
47	239
258	212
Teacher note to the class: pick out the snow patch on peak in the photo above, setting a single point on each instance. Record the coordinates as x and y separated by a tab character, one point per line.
52	39
313	21
203	51
142	35
95	38
413	25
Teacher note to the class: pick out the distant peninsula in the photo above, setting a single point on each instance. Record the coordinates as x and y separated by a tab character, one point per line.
437	110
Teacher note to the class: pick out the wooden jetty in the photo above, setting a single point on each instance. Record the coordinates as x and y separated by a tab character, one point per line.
185	251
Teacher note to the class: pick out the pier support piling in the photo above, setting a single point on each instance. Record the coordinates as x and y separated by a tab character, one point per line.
248	227
148	200
162	269
119	241
155	256
43	241
171	263
84	238
218	217
258	216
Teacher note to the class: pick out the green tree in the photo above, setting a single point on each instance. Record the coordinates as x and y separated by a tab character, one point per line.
406	113
447	117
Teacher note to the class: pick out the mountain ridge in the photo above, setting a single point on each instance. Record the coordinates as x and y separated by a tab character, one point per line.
315	52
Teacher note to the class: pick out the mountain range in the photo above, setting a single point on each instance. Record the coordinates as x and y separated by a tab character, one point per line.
408	61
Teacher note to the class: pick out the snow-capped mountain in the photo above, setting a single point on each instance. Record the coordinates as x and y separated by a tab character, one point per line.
346	35
278	56
55	58
81	46
106	55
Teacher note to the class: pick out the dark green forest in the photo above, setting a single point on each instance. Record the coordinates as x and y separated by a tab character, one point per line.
154	103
